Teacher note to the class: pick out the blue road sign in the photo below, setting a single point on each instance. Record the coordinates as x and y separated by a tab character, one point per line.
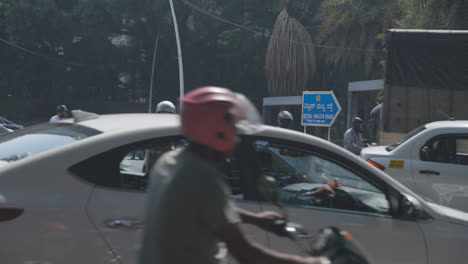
319	108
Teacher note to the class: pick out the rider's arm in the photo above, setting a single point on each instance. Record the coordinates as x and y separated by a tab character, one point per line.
218	213
258	219
264	220
246	251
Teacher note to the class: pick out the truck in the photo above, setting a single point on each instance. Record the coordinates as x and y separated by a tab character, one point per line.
426	98
426	80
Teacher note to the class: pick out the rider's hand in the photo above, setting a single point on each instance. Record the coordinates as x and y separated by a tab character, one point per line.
323	193
265	220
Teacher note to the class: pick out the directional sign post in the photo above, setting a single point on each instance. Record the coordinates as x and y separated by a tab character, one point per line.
319	109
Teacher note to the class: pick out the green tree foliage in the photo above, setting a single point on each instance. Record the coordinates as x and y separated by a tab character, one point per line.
353	27
85	52
434	14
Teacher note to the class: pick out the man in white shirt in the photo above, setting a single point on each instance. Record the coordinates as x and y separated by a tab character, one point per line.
353	137
62	113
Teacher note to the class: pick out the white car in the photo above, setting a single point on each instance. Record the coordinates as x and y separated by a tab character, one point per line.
74	192
432	160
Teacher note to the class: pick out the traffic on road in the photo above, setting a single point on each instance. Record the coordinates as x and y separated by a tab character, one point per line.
431	160
93	176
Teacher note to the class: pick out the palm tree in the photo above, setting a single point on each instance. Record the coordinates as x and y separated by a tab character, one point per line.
290	57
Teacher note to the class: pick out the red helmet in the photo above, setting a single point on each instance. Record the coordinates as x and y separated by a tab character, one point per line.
209	116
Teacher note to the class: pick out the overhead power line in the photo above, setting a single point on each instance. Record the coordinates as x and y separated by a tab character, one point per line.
249	28
205	12
44	56
252	29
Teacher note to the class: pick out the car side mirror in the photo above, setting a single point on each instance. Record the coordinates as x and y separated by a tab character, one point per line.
410	207
426	153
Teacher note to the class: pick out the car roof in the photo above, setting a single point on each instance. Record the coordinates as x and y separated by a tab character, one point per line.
124	123
448	123
128	122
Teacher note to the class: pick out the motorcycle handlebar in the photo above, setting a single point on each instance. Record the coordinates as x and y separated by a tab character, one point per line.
331	242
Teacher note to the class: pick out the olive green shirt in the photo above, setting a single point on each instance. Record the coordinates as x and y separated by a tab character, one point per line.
188	202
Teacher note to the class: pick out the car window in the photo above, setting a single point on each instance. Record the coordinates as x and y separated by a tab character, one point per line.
27	142
405	138
126	167
299	173
462	146
230	169
5	121
446	149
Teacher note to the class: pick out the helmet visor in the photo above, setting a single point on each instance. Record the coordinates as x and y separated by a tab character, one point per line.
251	122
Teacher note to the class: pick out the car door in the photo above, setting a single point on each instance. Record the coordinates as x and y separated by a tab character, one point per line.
117	203
360	205
42	216
440	169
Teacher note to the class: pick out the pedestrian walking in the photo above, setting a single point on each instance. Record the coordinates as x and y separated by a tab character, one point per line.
353	137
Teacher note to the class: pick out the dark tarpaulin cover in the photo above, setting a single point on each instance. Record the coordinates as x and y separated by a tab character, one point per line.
426	78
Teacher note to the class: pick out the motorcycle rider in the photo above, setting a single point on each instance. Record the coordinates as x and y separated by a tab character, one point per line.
191	217
62	112
353	137
153	154
285	119
166	107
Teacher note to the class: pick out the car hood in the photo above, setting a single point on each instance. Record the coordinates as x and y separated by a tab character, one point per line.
379	151
455	216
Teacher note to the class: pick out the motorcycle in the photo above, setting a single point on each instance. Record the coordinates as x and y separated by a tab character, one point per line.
331	242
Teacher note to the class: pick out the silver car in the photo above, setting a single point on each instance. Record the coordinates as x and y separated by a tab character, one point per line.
75	191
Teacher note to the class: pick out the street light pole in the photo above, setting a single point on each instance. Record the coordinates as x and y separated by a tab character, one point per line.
179	53
150	104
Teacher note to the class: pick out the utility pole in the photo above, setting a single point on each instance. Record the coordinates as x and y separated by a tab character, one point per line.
150	104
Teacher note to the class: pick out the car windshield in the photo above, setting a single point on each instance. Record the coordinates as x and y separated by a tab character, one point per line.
27	142
405	138
299	166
